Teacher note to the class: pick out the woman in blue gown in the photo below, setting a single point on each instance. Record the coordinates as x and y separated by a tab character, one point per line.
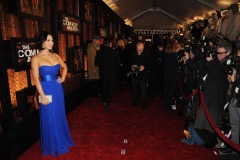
55	135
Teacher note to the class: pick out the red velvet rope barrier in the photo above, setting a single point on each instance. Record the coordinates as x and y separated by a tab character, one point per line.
216	129
182	93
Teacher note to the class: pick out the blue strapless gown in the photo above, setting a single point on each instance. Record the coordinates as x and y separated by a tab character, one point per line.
55	135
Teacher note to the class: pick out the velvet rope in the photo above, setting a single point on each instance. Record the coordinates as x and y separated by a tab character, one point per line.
216	129
182	93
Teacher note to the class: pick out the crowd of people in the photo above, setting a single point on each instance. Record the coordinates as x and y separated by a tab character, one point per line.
128	62
174	68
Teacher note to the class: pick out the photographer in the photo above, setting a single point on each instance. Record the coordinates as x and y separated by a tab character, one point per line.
189	80
234	97
214	88
139	63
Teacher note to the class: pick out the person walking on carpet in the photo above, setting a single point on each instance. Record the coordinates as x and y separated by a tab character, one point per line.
108	61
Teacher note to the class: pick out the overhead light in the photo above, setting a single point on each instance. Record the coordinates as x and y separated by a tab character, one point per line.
111	4
224	12
128	22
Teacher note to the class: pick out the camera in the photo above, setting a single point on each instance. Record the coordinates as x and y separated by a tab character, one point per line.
205	48
181	54
233	62
210	50
187	49
136	68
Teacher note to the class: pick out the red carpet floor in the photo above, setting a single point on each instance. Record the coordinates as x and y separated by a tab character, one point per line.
151	134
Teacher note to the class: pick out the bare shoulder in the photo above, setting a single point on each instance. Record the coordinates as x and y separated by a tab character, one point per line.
35	58
55	54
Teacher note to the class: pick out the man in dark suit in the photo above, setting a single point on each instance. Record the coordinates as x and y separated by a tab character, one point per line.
215	89
139	63
108	61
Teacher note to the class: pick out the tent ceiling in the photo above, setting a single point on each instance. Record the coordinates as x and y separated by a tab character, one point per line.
167	14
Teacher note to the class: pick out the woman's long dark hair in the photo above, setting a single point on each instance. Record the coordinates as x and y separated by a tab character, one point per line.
41	38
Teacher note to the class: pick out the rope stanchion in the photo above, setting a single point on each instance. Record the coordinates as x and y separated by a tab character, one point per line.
182	93
214	126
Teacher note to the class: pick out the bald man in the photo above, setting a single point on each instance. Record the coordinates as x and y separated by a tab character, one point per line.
139	63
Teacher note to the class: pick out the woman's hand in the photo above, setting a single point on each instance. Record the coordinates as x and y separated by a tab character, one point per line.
45	100
60	80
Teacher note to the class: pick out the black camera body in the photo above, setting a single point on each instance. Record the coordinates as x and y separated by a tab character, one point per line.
187	49
205	49
136	68
181	54
209	50
233	62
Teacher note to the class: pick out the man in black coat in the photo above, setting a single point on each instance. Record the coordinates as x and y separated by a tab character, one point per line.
108	61
139	63
215	90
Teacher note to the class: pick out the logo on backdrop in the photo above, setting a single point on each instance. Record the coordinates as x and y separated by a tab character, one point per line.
26	51
23	54
70	24
19	52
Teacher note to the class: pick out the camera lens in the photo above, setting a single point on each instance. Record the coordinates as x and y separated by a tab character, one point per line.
229	71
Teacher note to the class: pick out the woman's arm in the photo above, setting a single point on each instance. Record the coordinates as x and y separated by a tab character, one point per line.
35	73
64	67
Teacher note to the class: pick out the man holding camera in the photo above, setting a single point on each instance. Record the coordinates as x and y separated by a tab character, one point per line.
214	88
139	63
234	98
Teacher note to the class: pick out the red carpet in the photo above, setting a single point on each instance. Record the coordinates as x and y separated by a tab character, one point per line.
151	134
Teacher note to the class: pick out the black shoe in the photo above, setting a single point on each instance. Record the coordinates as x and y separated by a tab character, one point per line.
226	150
105	106
135	104
105	109
144	107
94	96
120	90
167	109
210	144
180	113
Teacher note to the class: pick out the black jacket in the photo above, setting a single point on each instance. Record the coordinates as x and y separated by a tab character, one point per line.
141	60
108	61
215	90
